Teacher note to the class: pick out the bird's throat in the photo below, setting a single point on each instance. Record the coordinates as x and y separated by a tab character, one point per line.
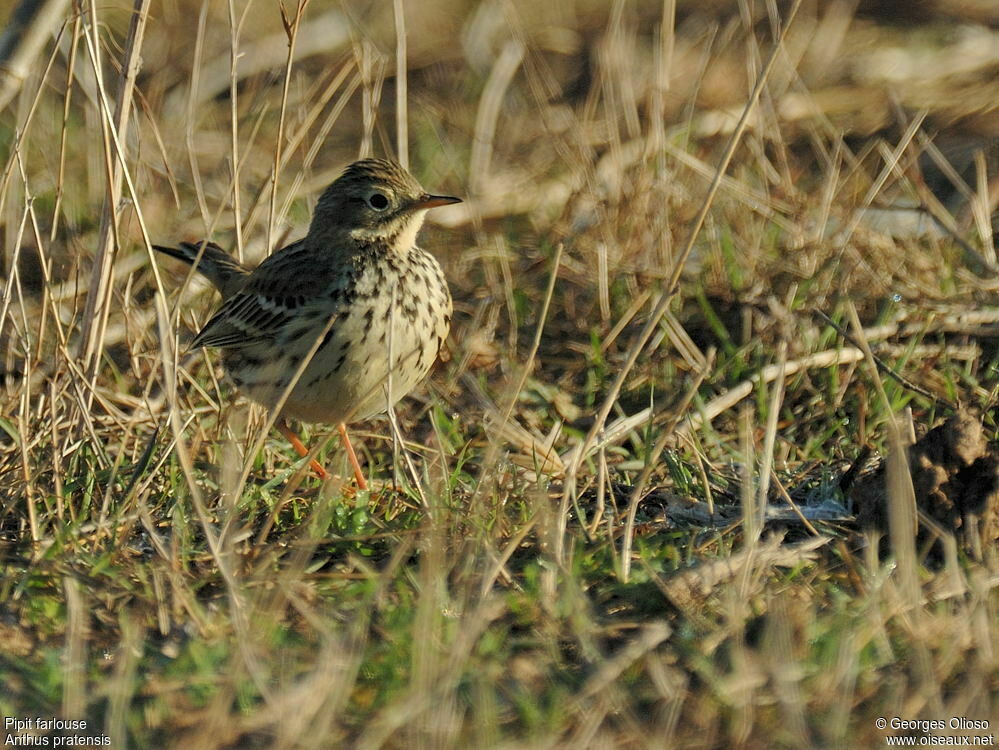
398	235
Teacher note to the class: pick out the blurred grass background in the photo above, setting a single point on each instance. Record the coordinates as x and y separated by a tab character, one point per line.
175	587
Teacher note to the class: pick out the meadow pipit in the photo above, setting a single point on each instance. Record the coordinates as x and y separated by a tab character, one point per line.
312	330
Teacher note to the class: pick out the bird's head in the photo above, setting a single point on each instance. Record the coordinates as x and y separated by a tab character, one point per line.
375	200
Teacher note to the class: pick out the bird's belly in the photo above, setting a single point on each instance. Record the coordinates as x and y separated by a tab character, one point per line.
351	383
347	379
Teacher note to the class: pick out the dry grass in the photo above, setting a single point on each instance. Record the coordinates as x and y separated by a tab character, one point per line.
662	203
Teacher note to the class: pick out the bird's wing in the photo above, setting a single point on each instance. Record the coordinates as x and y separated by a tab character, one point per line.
246	318
282	289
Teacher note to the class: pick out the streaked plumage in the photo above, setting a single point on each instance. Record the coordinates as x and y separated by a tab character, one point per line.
356	286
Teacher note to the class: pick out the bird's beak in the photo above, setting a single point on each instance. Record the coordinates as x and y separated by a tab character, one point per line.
432	201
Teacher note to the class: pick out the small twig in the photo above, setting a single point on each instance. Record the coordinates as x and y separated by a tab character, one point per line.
291	27
790	501
884	366
235	27
401	86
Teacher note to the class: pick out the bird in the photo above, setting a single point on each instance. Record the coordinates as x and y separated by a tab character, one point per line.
339	325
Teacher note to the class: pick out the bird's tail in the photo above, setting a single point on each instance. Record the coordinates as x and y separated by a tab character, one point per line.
225	272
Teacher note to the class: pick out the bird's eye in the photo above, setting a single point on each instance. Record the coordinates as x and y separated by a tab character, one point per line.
378	201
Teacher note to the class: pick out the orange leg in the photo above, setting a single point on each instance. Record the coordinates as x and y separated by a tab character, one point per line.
352	457
300	449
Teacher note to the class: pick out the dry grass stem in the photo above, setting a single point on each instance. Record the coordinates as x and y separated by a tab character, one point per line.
709	457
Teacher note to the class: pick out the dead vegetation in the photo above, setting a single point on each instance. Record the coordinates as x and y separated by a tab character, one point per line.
711	255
